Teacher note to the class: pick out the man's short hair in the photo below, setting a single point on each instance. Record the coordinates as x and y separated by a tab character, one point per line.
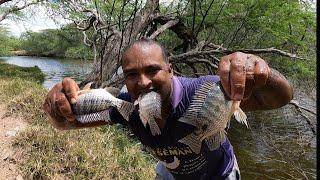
147	41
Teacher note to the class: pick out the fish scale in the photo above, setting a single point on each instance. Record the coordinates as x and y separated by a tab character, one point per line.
210	113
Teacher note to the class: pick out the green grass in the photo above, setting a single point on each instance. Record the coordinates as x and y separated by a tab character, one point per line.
96	153
26	73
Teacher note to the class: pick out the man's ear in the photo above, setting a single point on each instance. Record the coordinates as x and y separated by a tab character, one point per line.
170	70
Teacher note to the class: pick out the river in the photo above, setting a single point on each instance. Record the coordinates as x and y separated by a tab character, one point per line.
278	145
54	69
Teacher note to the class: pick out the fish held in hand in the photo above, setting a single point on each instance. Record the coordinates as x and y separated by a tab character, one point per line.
149	109
93	105
210	113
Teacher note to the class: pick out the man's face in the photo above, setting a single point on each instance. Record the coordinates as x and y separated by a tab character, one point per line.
145	69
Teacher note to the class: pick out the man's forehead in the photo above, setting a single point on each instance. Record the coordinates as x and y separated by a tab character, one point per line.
139	51
142	46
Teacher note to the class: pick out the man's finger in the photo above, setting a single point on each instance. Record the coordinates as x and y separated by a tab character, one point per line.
250	66
237	77
261	72
71	89
223	72
64	107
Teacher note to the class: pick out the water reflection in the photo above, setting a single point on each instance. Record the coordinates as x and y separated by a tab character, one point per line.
278	145
54	69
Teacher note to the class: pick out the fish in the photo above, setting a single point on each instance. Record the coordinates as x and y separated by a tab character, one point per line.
210	112
93	105
149	109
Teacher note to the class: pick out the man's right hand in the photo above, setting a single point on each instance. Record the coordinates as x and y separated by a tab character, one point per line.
58	102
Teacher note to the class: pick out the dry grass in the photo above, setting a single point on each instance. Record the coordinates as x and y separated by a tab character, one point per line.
96	153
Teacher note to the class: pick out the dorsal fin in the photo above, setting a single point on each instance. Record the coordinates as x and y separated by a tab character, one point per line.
112	90
87	86
197	103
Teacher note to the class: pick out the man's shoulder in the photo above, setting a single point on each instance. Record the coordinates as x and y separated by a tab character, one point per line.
195	82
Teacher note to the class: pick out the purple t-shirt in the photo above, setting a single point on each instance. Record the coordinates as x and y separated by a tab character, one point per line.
179	159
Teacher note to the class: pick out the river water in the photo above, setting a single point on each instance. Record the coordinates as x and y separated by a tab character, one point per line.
278	145
54	69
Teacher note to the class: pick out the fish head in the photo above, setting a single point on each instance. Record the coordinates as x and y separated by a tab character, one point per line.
149	104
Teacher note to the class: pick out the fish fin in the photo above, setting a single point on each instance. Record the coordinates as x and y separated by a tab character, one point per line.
214	141
193	141
143	119
83	91
112	90
87	86
240	116
125	108
188	121
196	104
154	128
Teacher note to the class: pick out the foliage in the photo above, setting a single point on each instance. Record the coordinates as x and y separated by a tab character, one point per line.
55	42
47	153
8	43
79	52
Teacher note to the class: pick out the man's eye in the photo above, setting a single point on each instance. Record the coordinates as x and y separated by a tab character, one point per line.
153	71
130	75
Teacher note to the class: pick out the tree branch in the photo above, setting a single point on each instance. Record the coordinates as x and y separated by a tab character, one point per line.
15	9
4	1
169	24
298	107
226	51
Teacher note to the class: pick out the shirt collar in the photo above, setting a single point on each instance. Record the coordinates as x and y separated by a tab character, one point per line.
177	91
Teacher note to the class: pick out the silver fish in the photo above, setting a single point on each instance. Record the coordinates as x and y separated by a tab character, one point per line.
92	105
149	109
210	113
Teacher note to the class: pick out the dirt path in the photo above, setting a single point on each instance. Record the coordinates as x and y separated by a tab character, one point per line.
9	127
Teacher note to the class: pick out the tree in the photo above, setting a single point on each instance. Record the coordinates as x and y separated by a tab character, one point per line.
13	7
197	32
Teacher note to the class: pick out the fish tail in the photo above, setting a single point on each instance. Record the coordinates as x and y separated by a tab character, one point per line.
214	141
125	108
193	141
154	128
240	116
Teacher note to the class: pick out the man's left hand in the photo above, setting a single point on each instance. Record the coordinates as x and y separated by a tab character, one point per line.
240	73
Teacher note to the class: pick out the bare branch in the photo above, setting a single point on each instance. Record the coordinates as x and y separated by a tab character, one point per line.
296	104
203	18
4	1
15	9
163	28
226	51
298	107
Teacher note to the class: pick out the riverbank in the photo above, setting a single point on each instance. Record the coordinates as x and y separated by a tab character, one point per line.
38	151
72	54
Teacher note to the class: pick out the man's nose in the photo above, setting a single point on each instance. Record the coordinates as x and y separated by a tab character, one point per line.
144	82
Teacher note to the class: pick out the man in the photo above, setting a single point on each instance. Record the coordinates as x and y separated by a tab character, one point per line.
243	77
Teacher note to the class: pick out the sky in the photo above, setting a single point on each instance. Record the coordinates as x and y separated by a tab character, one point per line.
38	21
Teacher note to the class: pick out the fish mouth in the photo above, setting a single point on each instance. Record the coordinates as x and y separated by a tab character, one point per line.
146	91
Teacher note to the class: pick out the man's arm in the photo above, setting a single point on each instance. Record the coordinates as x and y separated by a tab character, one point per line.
248	78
